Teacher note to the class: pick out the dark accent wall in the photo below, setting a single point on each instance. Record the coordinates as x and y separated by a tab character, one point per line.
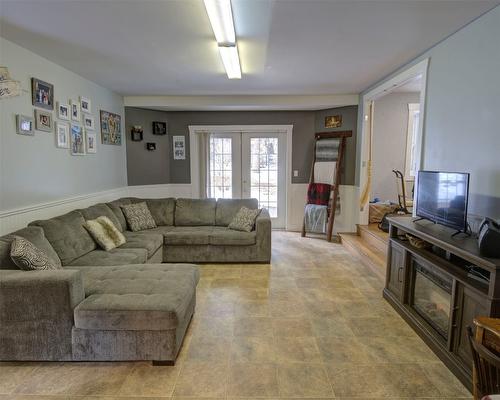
145	167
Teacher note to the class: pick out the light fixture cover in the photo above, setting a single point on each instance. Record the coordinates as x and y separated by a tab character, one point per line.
221	18
231	61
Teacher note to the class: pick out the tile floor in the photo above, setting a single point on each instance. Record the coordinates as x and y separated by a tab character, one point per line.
312	324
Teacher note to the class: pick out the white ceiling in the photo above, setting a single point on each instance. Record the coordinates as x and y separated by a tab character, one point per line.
295	47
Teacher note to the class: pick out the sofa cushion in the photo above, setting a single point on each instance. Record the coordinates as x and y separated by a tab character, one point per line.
227	209
115	207
136	297
138	216
28	257
244	220
162	210
105	233
117	256
67	236
151	241
195	212
182	235
100	210
222	236
35	235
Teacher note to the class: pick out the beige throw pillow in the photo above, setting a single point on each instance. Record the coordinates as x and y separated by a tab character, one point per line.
244	220
28	257
138	217
105	233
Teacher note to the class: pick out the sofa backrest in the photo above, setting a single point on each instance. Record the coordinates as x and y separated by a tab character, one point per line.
67	236
100	210
195	212
227	208
35	235
115	207
162	210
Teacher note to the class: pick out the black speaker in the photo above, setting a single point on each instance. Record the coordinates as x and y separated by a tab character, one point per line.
489	238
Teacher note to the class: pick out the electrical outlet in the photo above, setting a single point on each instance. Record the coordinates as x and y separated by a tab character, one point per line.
295	173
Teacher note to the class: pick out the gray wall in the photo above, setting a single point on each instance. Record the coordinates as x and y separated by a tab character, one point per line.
390	125
32	169
140	162
461	129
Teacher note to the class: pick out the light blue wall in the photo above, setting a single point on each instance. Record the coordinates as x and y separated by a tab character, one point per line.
461	127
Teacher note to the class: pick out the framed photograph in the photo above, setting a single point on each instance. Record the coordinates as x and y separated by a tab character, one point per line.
136	133
333	121
86	105
159	128
91	142
42	94
179	145
25	125
111	131
151	146
88	122
4	74
75	111
43	121
62	135
77	140
63	111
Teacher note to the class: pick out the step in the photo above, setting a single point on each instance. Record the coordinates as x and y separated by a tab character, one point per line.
374	236
367	254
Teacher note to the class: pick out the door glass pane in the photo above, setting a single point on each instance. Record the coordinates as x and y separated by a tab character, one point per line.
220	165
264	173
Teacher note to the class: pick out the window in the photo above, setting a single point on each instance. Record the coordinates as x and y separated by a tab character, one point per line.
221	168
264	173
411	140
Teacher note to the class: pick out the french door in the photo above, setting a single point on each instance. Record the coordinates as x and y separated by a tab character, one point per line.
250	165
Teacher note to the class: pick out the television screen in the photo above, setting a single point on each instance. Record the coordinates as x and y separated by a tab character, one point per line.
442	197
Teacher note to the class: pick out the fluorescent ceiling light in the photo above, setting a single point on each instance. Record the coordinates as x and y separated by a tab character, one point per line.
221	17
231	61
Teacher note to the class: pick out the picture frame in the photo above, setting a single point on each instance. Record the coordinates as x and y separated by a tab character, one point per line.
159	128
77	140
43	121
86	105
25	125
111	131
42	94
136	133
75	111
63	111
88	122
90	142
62	135
179	147
151	146
333	121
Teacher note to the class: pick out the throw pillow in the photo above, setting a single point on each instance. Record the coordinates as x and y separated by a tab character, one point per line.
244	220
105	233
28	257
138	217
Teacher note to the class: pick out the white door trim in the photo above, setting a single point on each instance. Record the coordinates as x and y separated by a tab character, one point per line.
419	69
195	162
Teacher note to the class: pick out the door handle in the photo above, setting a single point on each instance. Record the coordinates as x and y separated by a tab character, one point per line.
399	274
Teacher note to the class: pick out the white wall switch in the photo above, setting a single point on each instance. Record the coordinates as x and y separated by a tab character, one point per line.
295	173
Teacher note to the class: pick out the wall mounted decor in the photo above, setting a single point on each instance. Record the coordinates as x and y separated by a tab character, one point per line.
8	86
151	146
111	131
25	125
62	135
86	105
43	121
77	140
91	142
333	121
88	122
159	128
136	133
75	111
42	94
63	111
179	145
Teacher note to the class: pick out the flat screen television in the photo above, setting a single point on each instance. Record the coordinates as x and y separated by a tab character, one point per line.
442	197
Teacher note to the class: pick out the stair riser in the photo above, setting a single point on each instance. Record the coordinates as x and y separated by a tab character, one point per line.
377	267
373	240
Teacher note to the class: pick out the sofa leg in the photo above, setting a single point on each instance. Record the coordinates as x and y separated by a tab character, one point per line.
163	363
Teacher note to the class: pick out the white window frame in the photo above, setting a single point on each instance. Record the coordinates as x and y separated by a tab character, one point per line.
411	142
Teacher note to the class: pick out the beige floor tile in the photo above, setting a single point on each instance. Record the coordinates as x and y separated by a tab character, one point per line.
253	380
322	309
14	374
245	349
445	382
303	380
213	326
256	283
337	350
209	348
297	349
294	327
380	326
253	326
202	380
397	349
147	380
288	309
331	326
251	308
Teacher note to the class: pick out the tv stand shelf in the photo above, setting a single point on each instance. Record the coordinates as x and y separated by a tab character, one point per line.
432	290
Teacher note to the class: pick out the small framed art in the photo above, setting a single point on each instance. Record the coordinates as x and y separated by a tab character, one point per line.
77	140
91	142
24	125
111	128
62	135
63	111
179	145
75	111
136	133
151	146
159	128
43	121
88	122
333	121
42	94
85	105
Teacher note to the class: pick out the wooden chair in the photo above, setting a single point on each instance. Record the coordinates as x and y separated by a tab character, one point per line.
485	346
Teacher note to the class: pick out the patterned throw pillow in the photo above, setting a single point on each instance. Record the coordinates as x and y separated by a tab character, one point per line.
138	217
105	233
28	257
244	220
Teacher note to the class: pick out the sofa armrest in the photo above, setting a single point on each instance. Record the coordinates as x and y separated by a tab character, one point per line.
263	233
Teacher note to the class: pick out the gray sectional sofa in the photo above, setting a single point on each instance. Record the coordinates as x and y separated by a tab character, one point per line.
124	304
